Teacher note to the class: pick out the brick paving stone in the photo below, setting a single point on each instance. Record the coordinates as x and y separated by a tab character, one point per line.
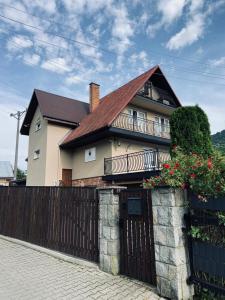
27	274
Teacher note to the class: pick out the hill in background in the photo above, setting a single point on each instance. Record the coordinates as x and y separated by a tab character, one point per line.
218	140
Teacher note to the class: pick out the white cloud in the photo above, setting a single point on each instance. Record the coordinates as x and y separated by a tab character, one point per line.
170	11
218	62
75	79
18	42
58	65
198	18
140	59
189	34
31	59
48	6
122	31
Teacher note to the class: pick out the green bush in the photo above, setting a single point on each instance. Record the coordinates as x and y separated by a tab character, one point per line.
190	130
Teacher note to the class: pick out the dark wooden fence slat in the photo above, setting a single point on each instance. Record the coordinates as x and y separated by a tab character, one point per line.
60	218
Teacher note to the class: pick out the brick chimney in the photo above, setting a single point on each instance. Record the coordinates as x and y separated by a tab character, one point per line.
94	96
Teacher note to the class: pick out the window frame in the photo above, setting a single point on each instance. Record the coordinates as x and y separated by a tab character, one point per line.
87	157
36	154
38	125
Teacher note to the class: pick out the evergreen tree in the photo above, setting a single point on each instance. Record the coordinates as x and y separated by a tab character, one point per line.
190	130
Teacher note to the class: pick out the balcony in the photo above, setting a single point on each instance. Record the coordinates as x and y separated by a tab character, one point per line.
128	122
143	161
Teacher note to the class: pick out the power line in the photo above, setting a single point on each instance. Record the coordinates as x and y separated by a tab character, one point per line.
186	70
57	35
103	49
197	81
33	15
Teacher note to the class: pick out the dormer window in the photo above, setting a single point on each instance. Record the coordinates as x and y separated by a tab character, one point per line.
38	125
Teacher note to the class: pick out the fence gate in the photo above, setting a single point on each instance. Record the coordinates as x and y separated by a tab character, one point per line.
137	257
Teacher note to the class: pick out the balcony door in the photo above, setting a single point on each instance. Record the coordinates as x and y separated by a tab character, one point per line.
162	126
137	119
150	159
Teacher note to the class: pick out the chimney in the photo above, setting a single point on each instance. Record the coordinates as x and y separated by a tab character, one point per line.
94	96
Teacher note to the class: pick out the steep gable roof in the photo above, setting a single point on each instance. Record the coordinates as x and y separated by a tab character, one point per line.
54	107
110	106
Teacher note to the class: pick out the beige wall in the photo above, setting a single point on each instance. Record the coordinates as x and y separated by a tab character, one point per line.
37	140
125	146
47	169
150	115
56	158
4	181
82	169
104	149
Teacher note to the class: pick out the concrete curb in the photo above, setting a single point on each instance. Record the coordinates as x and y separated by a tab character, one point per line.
52	253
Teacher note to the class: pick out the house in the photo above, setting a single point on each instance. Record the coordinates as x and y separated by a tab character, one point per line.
119	139
6	173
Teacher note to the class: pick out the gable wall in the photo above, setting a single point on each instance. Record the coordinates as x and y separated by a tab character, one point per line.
37	140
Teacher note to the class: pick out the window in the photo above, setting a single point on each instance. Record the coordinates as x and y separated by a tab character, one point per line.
36	154
38	125
162	125
137	119
90	154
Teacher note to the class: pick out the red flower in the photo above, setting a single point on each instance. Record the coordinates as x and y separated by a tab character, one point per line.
171	172
193	175
166	166
174	147
177	165
210	163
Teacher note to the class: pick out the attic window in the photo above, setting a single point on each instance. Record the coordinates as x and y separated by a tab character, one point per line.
90	154
36	154
38	125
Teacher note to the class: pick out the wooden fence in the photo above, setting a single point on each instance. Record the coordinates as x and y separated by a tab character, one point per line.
59	218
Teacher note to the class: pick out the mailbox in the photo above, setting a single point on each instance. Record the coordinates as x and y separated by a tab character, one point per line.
134	206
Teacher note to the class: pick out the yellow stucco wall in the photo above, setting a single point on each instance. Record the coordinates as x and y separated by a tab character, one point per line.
82	169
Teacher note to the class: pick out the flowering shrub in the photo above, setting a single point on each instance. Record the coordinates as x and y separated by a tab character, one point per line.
204	176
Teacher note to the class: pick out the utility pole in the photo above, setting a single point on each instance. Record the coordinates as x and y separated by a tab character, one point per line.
18	115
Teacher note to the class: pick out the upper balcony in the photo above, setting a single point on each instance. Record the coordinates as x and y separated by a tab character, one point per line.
128	122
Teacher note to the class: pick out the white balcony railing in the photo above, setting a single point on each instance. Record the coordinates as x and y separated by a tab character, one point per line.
127	122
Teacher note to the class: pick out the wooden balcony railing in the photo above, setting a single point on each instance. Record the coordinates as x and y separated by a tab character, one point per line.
127	122
148	160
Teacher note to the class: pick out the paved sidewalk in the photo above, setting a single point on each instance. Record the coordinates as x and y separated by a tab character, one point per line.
29	274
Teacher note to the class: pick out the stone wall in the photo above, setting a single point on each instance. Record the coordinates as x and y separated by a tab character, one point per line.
109	243
93	181
172	264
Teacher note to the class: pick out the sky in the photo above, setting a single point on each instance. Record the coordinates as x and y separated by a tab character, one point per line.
62	46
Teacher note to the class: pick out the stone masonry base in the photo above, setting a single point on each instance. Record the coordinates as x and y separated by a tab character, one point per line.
93	181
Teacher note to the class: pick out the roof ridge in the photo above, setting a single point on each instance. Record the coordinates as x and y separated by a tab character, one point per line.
143	74
60	96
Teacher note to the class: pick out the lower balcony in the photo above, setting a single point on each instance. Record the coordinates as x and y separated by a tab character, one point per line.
143	161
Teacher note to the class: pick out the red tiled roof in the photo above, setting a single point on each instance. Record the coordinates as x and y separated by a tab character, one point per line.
110	106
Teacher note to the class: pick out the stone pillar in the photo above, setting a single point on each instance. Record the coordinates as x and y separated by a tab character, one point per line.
109	243
171	253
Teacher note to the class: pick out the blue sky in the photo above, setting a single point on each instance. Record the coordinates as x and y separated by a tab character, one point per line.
69	43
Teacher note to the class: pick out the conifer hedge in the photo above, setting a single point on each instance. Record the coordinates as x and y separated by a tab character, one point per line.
190	130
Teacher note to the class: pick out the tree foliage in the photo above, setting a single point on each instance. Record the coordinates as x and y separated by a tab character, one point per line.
20	174
190	131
